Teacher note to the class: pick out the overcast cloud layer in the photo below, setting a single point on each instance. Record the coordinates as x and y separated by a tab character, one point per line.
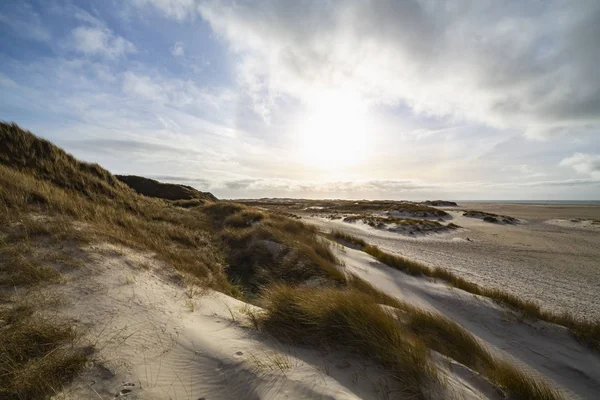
461	99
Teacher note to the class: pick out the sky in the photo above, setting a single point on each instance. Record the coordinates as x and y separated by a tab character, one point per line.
381	99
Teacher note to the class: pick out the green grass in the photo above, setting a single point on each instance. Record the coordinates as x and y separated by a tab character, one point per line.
586	331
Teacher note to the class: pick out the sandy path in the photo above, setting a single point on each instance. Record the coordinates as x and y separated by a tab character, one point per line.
557	266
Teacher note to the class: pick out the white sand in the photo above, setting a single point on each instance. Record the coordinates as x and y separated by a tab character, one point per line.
557	266
546	349
155	339
151	345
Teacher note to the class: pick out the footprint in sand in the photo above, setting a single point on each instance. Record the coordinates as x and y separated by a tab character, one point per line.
126	390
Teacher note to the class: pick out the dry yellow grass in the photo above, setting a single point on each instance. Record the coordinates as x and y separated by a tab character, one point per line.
397	337
352	320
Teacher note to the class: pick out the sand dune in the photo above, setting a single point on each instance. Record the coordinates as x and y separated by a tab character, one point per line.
544	348
535	259
157	339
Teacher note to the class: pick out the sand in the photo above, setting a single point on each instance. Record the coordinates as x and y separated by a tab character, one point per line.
554	263
544	349
155	338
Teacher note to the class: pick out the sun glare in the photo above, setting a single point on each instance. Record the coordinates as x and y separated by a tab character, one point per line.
333	133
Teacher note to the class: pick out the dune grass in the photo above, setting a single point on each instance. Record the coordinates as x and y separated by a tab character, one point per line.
398	337
349	206
416	225
586	331
38	354
448	338
490	217
263	248
352	320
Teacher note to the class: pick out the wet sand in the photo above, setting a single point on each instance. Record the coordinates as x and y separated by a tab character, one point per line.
547	257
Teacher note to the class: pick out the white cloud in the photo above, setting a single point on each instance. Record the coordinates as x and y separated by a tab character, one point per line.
584	163
27	23
178	50
507	65
174	92
100	41
177	9
144	87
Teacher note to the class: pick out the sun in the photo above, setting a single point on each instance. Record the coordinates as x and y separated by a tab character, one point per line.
333	132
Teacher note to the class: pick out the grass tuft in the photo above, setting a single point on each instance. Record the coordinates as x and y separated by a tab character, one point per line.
352	320
37	354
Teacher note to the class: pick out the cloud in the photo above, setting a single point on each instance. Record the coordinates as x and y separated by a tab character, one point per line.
177	50
508	65
175	92
144	87
389	188
130	146
584	163
24	21
261	185
177	9
100	41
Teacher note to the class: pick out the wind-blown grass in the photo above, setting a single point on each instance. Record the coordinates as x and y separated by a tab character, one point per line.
397	336
37	354
348	319
586	331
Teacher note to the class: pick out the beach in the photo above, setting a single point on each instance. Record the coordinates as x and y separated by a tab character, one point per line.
551	256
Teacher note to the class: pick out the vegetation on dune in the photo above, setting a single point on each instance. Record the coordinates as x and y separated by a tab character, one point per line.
440	203
263	248
38	354
586	331
397	336
168	191
490	217
38	351
50	204
447	337
348	319
414	225
349	206
42	160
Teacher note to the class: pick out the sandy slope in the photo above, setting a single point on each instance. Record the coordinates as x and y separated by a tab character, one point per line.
544	348
155	339
539	260
151	345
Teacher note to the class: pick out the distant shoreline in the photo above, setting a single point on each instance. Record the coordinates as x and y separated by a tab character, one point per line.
538	202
